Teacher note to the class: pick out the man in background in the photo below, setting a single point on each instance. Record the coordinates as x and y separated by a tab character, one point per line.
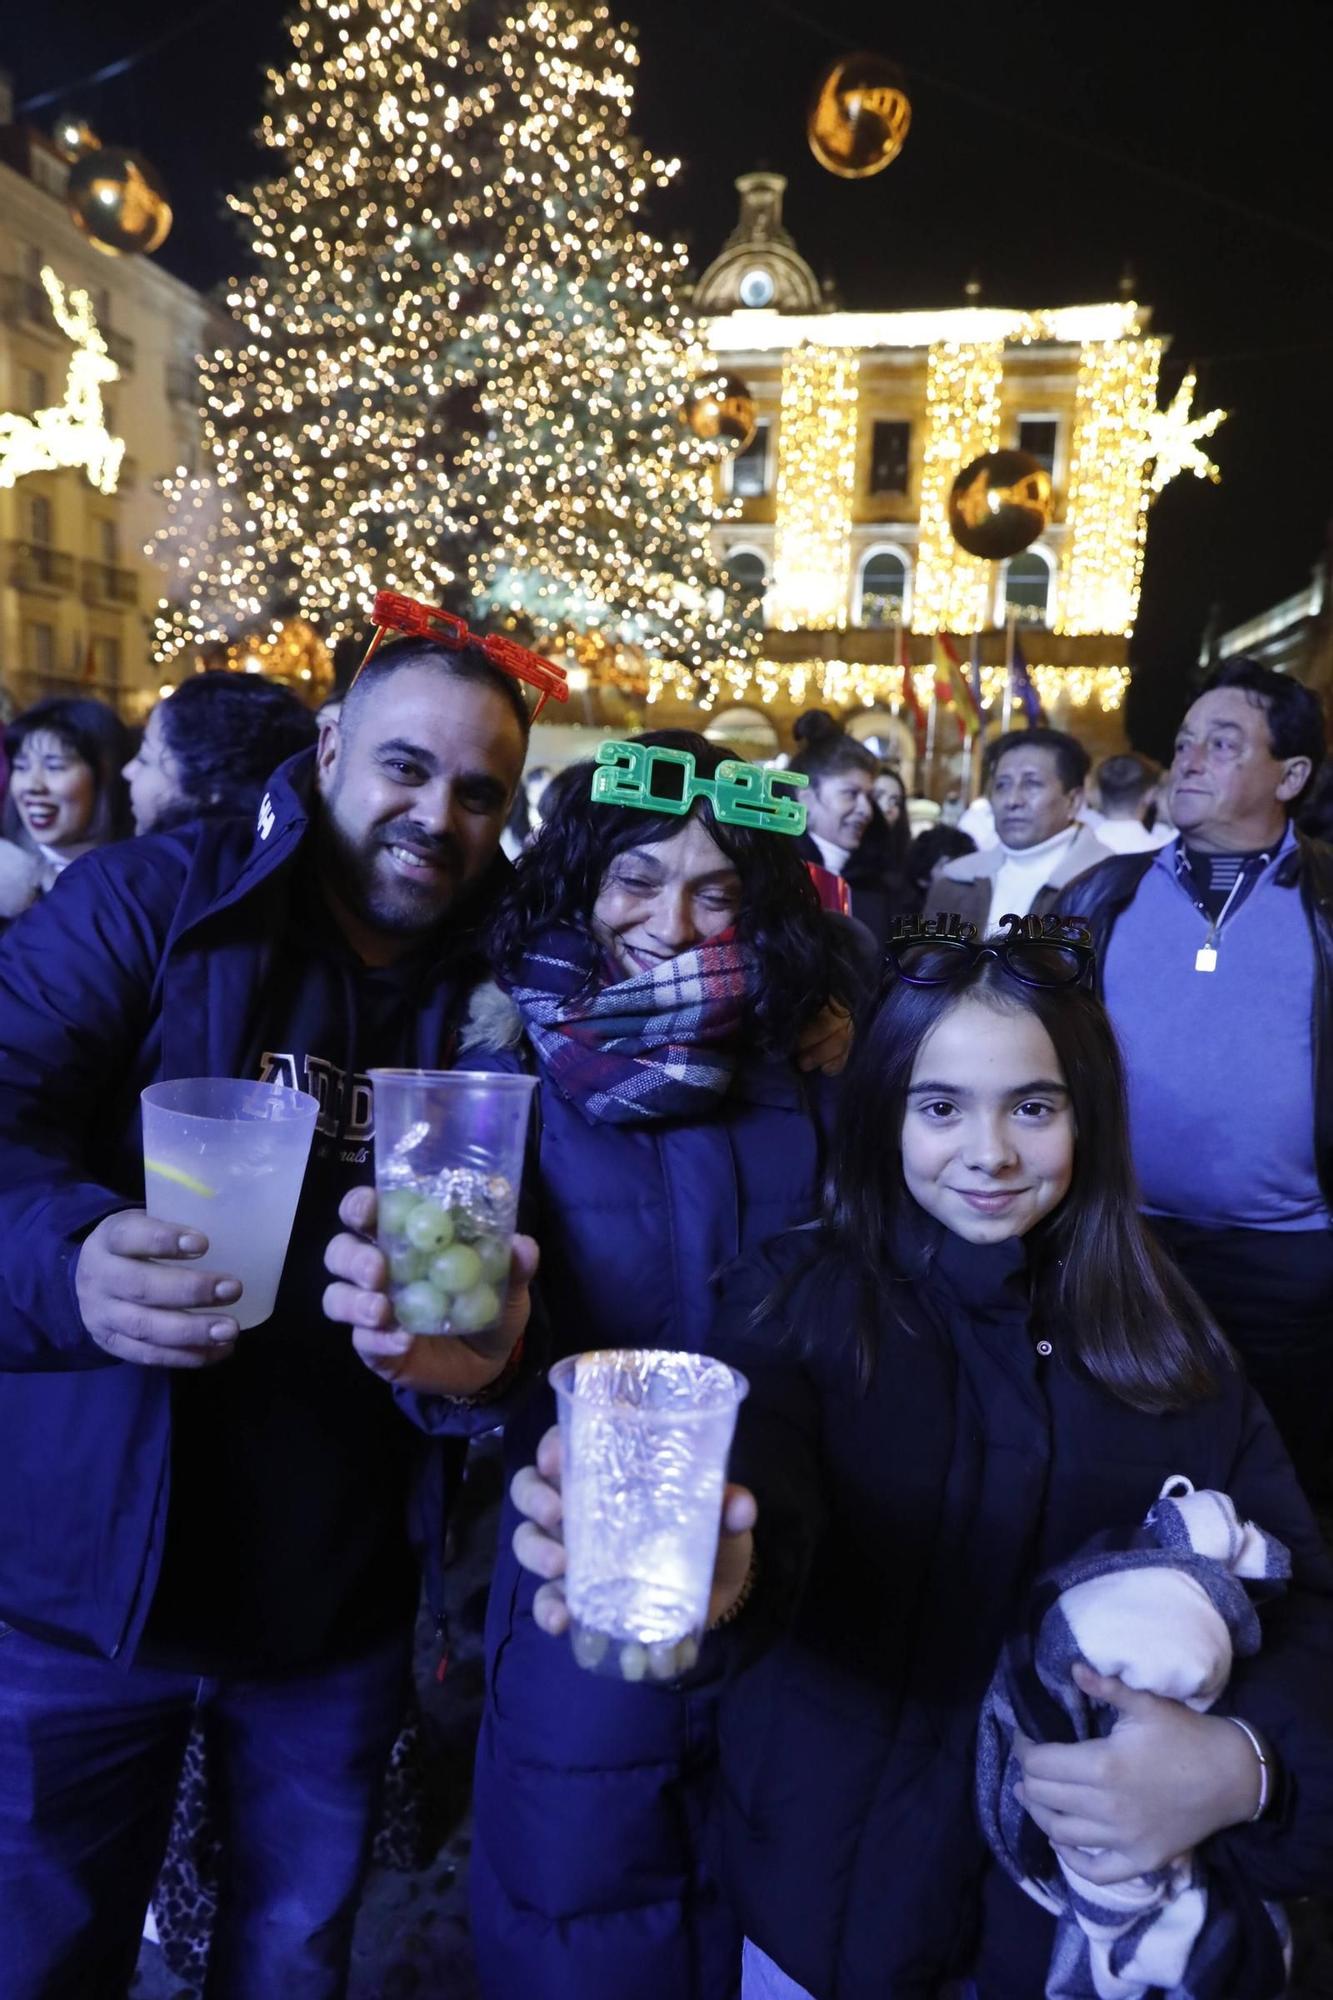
1034	780
1127	788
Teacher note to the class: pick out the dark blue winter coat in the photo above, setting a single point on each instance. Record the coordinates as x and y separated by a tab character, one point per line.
900	1528
147	961
593	1875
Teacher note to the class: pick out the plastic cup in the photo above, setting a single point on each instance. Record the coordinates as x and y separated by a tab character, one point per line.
448	1163
228	1157
645	1437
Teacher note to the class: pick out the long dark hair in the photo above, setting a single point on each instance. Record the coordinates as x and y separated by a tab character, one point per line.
92	732
1123	1310
896	836
226	734
560	877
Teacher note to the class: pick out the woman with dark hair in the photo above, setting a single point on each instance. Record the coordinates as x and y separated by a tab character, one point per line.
975	1365
890	795
659	972
65	793
846	832
210	748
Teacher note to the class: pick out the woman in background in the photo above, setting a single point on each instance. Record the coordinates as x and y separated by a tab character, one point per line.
210	748
66	795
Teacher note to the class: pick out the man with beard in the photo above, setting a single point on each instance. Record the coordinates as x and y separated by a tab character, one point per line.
190	1521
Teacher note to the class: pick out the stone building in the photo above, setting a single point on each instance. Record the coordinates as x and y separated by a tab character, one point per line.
77	593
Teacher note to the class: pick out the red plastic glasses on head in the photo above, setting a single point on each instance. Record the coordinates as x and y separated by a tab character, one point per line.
395	613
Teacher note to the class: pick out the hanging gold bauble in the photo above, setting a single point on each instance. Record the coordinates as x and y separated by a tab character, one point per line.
721	406
859	116
119	202
73	136
999	504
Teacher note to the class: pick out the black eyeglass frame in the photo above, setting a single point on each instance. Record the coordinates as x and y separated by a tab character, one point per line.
1066	940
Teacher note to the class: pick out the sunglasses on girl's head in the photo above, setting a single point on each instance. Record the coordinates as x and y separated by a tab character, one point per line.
1037	951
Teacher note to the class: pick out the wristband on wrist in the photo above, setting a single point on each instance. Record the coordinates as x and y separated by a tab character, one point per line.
1265	1769
742	1597
495	1389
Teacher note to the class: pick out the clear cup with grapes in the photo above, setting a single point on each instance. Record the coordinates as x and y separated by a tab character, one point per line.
449	1150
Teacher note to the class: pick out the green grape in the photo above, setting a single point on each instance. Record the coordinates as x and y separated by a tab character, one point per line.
590	1647
396	1204
421	1308
456	1269
405	1265
494	1252
466	1226
471	1311
429	1227
633	1660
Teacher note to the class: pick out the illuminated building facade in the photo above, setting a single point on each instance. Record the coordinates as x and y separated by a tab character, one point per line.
839	501
77	593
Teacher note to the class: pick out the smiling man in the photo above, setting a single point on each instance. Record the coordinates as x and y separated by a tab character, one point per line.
196	1520
1034	781
1216	957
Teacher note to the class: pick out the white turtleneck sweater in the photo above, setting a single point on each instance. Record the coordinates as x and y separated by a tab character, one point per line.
1024	872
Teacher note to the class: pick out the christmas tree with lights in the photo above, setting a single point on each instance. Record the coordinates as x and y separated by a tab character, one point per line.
461	363
589	503
328	428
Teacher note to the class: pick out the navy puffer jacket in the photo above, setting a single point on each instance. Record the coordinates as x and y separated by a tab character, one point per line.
593	1873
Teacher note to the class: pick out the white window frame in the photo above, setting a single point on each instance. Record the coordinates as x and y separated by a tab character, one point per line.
1043	554
904	556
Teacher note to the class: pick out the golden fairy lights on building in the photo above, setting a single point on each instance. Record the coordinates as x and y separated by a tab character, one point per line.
838	504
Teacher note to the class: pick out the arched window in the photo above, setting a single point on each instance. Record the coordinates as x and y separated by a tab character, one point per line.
883	587
747	567
1027	588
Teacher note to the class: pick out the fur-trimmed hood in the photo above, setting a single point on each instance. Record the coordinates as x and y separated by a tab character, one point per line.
492	1021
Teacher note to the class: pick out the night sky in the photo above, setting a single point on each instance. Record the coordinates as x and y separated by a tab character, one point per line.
1049	146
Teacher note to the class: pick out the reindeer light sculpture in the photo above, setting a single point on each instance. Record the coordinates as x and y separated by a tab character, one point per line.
72	432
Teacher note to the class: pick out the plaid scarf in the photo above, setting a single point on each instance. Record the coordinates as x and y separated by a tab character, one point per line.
662	1044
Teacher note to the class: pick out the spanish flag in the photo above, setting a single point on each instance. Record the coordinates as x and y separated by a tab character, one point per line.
952	687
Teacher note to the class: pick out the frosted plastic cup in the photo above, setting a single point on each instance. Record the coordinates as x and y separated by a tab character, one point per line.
448	1162
645	1438
228	1157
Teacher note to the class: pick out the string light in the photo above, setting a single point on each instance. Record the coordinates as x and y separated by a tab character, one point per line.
73	432
815	488
1101	562
953	590
586	500
460	355
853	684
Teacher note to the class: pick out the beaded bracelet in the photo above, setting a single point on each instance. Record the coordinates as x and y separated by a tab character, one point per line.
1265	1771
742	1597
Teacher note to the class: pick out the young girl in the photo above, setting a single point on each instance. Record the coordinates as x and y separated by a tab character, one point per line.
974	1364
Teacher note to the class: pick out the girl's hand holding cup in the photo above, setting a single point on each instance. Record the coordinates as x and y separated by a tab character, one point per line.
539	1542
459	1365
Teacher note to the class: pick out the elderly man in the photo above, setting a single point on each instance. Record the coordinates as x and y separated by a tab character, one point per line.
1035	780
1216	962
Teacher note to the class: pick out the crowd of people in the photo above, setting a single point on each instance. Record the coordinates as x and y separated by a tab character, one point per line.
997	1157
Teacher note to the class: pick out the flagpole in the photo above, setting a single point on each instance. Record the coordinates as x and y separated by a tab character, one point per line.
1010	636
